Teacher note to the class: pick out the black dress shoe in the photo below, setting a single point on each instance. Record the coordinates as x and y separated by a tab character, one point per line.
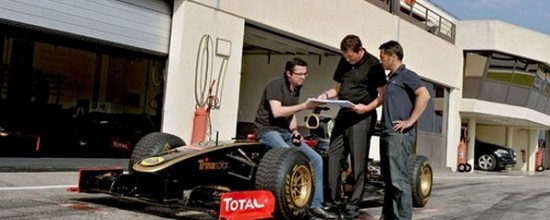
321	213
332	209
349	212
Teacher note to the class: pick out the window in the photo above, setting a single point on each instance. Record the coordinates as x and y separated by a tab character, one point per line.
507	79
475	64
501	67
524	73
544	70
540	78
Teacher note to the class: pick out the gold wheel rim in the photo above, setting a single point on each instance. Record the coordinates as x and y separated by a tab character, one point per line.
301	185
426	181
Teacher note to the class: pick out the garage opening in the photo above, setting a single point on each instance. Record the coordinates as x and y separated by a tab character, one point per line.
265	52
67	97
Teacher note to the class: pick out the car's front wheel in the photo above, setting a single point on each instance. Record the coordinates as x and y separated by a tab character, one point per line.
153	144
487	162
288	174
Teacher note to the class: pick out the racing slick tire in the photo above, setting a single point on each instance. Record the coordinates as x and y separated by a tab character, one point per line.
289	175
153	144
420	171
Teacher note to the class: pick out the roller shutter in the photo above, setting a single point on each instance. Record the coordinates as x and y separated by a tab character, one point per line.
140	24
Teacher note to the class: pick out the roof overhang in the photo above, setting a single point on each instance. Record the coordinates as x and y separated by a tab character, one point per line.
491	113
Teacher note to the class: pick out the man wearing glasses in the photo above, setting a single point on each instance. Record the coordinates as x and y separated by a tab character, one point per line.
277	127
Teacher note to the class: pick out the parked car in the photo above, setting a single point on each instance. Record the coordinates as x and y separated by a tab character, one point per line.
493	157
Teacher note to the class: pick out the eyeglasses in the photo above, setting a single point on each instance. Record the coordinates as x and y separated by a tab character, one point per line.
300	74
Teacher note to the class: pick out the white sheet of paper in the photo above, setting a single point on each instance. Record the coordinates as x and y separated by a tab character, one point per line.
341	103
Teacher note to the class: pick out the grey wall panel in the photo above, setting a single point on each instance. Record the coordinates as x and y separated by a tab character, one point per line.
518	95
471	87
433	146
533	99
541	104
494	91
137	25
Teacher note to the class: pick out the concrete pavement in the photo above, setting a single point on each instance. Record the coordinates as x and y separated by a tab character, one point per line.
44	164
471	196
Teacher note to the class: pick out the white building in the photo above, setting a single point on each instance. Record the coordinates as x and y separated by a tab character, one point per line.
240	44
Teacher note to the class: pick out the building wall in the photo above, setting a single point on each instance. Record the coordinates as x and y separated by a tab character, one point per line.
190	23
454	122
310	21
522	143
508	38
491	134
424	53
432	58
505	37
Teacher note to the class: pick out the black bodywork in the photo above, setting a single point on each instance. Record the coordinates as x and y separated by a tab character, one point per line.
187	175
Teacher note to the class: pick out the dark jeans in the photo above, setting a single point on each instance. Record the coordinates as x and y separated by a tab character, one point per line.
354	140
395	151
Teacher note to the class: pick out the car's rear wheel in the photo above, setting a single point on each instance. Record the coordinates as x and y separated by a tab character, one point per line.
420	171
487	162
540	168
153	144
288	174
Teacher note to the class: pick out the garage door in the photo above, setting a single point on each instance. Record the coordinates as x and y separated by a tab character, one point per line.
139	24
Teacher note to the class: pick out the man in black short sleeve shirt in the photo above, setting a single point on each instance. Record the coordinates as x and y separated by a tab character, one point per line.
277	89
360	79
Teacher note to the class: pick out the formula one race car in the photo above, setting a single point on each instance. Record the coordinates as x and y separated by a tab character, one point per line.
163	170
241	179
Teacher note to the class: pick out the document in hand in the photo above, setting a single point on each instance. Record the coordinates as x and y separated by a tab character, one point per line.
341	103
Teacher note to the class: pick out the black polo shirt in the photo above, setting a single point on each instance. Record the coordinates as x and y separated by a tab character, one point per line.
360	81
399	97
276	89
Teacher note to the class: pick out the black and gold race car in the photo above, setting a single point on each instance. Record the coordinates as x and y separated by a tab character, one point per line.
212	177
